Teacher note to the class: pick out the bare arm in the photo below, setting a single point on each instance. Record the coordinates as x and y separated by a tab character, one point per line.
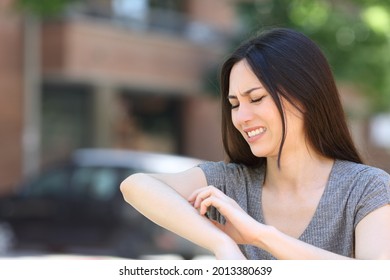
372	234
161	198
285	247
372	241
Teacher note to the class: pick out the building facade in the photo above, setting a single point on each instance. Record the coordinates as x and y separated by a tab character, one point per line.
137	74
110	74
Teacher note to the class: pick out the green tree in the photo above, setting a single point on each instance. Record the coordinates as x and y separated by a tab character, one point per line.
354	34
43	8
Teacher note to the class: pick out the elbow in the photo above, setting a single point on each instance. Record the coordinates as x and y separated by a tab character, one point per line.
123	186
129	184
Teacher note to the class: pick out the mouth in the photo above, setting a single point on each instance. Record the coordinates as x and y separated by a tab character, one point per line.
251	133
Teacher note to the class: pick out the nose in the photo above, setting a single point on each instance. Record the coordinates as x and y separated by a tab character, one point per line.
243	113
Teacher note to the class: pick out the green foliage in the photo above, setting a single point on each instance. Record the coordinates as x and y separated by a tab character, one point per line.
43	8
354	34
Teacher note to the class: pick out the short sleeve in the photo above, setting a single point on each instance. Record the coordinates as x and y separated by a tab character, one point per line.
215	173
239	182
375	195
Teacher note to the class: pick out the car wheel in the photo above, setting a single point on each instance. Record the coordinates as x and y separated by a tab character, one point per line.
7	238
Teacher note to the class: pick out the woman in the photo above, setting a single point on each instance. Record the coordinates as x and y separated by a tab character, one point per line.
294	186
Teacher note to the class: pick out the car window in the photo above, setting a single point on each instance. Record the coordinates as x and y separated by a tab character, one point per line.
51	183
81	180
95	183
104	184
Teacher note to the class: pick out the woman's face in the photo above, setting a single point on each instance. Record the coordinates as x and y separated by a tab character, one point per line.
256	117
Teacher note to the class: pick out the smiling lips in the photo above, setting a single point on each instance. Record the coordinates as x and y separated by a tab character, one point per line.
255	132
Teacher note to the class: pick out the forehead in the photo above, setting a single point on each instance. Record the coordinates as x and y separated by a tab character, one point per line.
242	78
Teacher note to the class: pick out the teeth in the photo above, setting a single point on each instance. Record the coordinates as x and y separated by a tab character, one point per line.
256	132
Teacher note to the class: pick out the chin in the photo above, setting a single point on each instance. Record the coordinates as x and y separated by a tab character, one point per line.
262	152
259	152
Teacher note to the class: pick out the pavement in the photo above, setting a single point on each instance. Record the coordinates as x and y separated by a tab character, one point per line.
36	254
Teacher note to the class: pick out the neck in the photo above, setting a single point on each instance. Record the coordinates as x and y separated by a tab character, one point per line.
298	171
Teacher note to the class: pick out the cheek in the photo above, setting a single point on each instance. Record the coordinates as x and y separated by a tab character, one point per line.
234	120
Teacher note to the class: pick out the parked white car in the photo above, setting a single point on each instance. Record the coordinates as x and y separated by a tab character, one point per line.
77	207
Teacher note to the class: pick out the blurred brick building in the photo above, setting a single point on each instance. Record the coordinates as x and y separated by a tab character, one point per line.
109	73
112	74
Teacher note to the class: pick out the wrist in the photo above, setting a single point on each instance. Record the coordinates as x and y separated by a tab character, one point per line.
227	249
263	236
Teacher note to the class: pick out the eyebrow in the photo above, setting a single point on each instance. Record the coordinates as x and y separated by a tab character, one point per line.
231	96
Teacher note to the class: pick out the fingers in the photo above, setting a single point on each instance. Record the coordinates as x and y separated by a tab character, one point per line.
195	194
205	197
201	194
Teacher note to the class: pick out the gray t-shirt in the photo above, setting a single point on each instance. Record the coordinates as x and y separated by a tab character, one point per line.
353	191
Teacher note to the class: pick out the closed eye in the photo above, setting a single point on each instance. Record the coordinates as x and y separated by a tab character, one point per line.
233	101
257	100
234	106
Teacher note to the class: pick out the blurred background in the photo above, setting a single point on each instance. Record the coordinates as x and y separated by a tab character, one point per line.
142	74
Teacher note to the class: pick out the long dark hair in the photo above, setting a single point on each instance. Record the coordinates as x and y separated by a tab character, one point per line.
290	65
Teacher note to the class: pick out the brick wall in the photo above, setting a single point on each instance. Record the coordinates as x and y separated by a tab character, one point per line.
11	88
99	52
220	14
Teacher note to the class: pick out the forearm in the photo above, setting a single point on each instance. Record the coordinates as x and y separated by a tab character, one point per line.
284	247
164	206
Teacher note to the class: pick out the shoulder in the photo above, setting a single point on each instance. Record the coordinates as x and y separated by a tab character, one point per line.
360	173
225	168
225	173
364	187
360	184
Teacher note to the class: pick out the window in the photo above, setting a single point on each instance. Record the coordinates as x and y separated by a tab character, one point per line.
158	15
150	122
66	120
104	184
95	183
136	9
51	184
